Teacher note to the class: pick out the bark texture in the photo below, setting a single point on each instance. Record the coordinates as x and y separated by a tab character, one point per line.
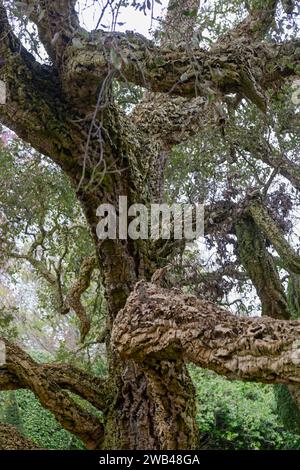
159	324
47	383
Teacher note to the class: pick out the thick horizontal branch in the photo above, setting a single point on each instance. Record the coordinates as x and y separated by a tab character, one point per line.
175	119
216	216
227	68
158	324
20	371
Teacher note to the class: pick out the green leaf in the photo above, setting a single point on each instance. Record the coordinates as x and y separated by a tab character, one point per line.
77	43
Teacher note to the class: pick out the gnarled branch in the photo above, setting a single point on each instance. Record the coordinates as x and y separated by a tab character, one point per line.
93	389
158	324
227	68
33	101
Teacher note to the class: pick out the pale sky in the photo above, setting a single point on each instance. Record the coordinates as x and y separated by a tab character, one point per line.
133	20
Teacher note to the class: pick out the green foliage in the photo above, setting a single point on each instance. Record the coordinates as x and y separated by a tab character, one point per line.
237	415
11	412
287	409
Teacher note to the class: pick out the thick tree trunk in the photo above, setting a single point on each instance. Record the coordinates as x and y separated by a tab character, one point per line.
150	408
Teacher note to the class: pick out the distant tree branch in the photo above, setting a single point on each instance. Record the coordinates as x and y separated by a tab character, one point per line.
63	304
73	298
261	268
175	119
264	151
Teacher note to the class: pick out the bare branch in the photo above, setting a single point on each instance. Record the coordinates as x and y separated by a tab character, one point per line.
57	23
